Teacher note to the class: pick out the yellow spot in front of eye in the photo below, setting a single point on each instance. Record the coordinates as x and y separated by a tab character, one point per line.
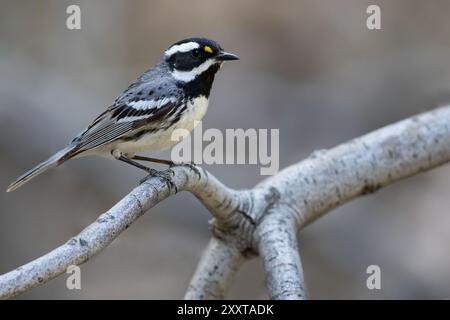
208	49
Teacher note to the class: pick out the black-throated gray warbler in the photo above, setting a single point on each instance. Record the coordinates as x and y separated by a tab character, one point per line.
172	94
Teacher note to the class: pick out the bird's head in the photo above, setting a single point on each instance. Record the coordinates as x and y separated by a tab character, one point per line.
191	58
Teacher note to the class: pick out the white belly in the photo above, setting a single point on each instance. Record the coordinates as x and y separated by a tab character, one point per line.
162	140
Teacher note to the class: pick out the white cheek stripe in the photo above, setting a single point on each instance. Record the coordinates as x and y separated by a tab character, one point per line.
186	76
184	47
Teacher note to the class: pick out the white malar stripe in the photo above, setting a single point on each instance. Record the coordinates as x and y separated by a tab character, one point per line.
184	47
150	104
186	76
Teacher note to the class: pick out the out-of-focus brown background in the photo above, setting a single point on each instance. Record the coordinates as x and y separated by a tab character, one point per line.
310	68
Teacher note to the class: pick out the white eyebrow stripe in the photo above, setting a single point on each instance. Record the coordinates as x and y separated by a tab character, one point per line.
184	47
186	76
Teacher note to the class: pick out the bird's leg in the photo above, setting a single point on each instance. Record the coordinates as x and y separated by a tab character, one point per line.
161	161
136	164
170	163
166	176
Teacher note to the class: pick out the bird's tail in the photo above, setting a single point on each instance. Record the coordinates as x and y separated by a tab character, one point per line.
55	160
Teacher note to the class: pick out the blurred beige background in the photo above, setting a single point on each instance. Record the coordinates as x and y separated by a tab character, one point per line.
310	68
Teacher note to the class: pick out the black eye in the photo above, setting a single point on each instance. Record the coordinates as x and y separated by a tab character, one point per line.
196	53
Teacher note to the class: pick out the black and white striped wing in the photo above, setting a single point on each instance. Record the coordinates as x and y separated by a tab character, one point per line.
125	120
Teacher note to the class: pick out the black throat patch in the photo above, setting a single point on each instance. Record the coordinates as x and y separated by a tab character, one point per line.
202	84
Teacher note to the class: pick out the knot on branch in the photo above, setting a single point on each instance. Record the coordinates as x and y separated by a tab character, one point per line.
239	226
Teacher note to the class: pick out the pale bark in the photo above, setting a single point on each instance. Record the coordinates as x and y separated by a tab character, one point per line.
263	220
214	274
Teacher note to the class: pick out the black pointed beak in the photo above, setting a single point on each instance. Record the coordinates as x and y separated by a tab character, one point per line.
226	56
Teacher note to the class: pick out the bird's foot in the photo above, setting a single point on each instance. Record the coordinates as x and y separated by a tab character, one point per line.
164	175
191	165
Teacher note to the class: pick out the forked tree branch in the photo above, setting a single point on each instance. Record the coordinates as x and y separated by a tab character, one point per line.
265	219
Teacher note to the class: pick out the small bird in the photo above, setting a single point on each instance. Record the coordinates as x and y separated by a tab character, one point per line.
173	94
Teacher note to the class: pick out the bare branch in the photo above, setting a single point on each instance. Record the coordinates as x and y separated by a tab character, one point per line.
214	273
109	225
329	178
278	249
264	219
